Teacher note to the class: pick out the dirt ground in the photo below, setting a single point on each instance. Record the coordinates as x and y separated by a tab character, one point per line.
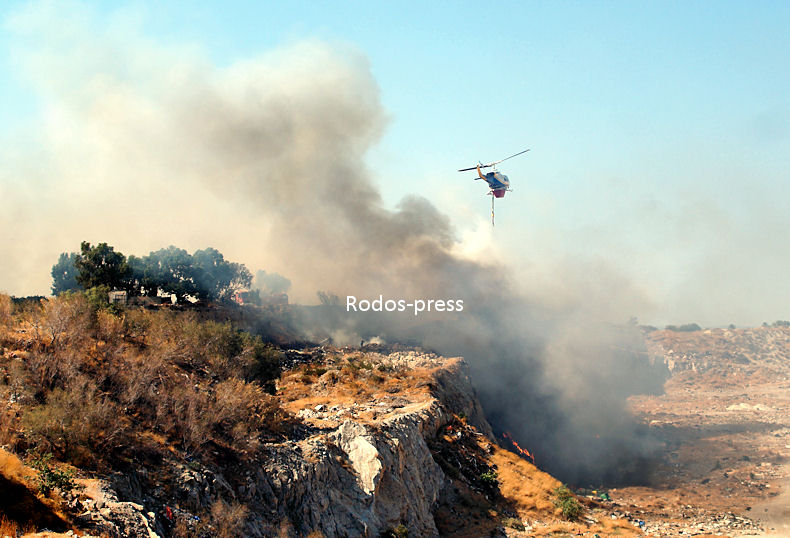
725	424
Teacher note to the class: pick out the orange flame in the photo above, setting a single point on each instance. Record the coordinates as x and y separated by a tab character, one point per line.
523	451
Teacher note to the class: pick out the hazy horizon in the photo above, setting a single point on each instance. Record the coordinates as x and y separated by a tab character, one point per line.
655	187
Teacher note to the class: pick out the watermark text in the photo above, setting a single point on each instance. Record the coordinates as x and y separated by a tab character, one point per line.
418	306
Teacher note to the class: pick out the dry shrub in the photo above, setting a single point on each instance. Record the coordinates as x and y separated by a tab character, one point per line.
109	326
171	336
228	519
67	320
139	379
183	413
8	418
45	369
6	311
75	423
240	410
223	347
286	529
137	323
182	529
17	385
217	349
186	341
233	410
55	368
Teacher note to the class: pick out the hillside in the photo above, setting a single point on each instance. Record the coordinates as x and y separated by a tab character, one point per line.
129	422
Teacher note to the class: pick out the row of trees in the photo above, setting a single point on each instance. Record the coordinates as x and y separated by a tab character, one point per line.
205	274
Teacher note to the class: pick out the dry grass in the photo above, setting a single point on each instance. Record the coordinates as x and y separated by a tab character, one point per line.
8	527
523	484
347	380
352	378
11	466
530	493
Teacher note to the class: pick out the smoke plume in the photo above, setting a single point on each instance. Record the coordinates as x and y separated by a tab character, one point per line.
143	146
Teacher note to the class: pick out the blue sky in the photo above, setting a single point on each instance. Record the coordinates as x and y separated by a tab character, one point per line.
659	131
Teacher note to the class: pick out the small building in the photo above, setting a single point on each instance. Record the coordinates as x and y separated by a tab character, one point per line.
117	297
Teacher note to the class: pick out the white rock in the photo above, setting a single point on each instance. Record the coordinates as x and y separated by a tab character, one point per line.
362	453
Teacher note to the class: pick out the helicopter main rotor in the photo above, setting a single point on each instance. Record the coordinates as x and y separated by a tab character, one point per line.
481	165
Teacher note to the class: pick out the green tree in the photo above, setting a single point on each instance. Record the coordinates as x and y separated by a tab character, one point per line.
216	278
265	367
64	274
566	501
102	265
169	270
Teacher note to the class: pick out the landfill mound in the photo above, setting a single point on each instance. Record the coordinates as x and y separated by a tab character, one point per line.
725	422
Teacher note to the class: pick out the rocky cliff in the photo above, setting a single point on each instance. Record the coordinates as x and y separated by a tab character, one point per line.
163	424
359	463
365	467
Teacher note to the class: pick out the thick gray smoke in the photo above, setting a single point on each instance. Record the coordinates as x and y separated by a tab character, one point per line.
144	147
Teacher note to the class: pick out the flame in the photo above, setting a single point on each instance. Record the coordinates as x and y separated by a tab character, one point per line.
522	451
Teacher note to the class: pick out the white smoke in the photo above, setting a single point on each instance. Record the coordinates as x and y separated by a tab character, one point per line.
143	146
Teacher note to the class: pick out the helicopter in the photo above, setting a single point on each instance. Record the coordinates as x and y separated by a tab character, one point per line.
498	183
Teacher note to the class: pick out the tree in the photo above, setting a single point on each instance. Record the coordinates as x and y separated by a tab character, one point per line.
169	270
102	265
64	273
271	283
206	274
328	298
215	278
